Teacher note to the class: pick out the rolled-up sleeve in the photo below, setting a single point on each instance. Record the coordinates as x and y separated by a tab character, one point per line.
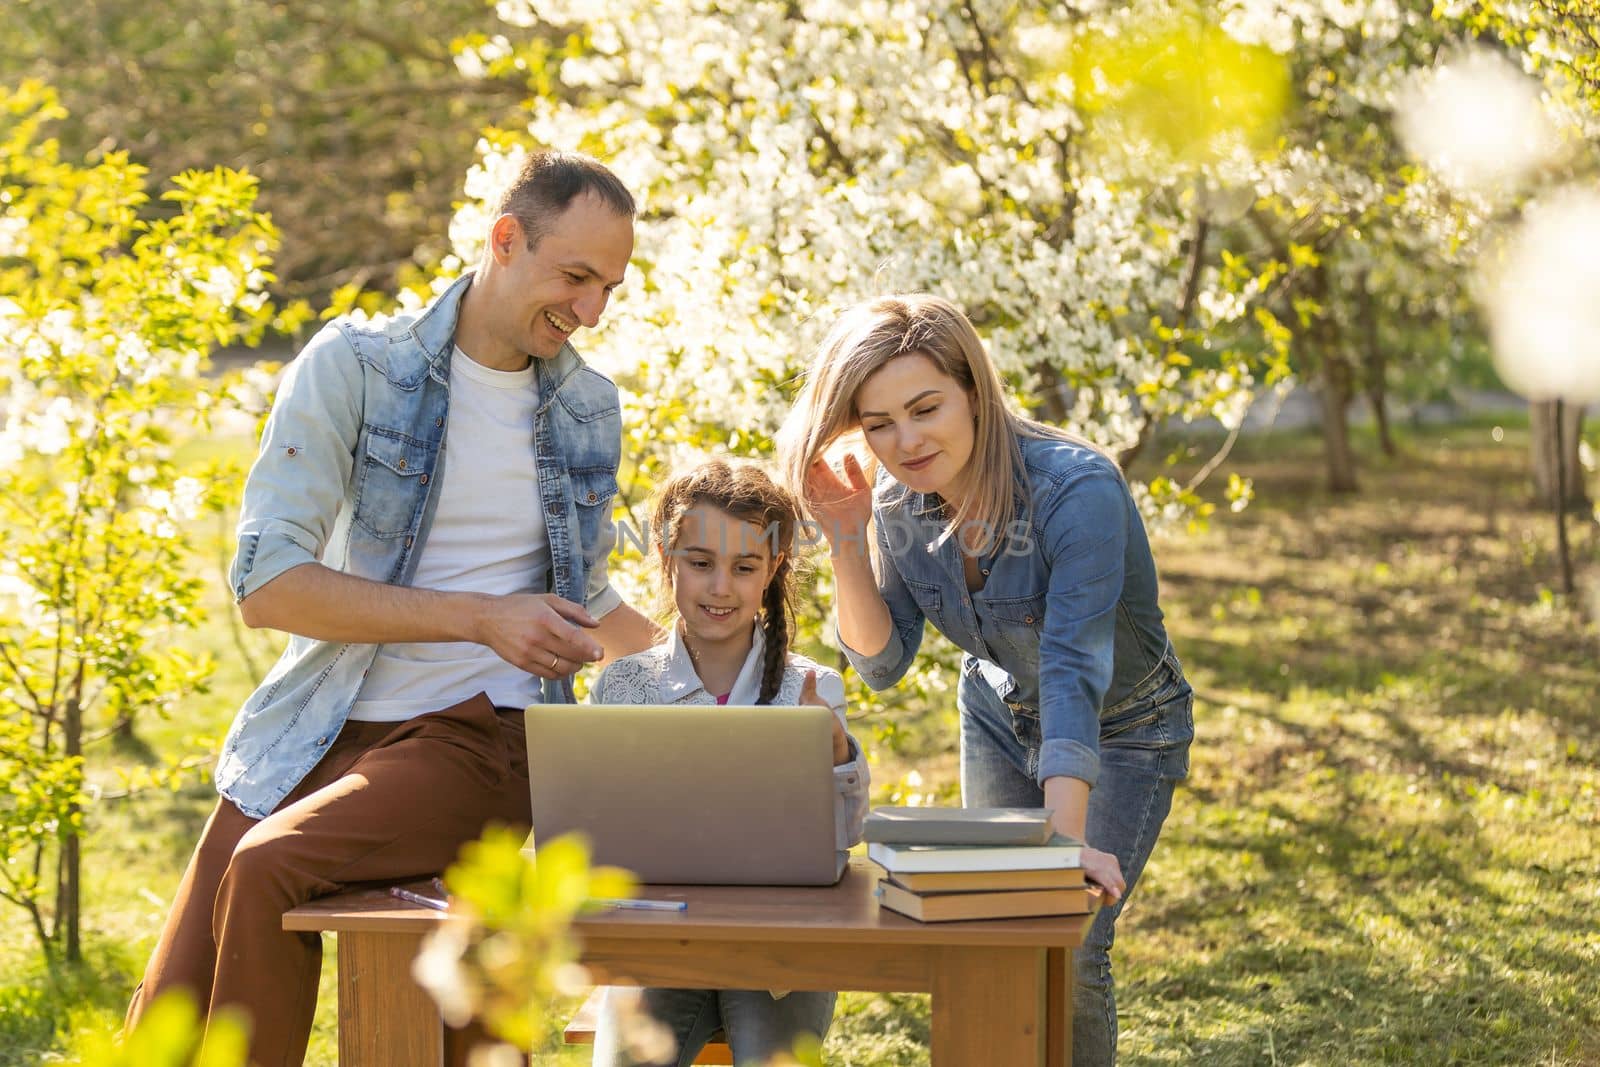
1084	533
298	482
852	781
888	666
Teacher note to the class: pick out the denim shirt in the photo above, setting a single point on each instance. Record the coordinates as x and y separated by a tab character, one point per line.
1067	621
347	473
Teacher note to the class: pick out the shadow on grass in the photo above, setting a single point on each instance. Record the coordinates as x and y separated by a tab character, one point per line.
40	1006
1329	923
1414	692
1297	1004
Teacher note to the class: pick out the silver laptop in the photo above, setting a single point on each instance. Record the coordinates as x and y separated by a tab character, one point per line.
690	795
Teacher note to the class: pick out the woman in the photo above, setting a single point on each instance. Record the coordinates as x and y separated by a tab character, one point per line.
1022	544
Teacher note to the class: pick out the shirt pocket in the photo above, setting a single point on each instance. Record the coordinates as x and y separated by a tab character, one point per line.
395	469
1017	623
593	487
593	490
929	600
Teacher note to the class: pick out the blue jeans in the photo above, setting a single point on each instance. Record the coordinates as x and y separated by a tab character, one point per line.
758	1027
1144	751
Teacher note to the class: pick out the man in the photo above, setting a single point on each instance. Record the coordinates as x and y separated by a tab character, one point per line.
429	518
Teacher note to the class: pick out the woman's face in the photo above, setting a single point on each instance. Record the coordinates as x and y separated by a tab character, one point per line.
918	422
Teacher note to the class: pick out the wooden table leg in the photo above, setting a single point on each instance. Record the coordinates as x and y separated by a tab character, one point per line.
385	1018
989	1007
1058	1026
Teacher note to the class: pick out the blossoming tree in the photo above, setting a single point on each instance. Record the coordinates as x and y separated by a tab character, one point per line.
793	157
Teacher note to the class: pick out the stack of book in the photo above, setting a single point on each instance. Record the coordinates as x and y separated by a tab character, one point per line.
942	864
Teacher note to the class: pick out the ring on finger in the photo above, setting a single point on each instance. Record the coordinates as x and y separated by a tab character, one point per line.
555	661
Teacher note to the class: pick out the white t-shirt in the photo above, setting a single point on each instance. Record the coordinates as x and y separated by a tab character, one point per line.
488	536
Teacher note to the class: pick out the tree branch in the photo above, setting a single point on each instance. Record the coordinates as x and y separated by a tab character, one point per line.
395	46
1191	290
22	681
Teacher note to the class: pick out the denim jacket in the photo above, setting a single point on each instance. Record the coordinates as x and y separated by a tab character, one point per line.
1067	621
349	463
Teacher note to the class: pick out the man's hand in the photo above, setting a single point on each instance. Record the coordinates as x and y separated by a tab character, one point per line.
539	632
841	740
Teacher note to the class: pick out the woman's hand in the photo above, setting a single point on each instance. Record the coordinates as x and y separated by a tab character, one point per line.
843	506
1068	799
841	740
1103	870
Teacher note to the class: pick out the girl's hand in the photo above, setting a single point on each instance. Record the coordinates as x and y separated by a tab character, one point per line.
841	741
842	505
1103	870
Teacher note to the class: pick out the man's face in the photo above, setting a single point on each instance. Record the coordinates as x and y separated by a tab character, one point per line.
544	295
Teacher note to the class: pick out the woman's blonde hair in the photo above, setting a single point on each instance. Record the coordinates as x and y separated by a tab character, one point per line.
865	338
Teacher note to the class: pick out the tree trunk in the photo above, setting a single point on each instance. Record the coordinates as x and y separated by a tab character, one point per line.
1562	548
1147	434
68	888
1337	379
1542	438
1335	423
1380	413
1180	319
1375	368
1053	393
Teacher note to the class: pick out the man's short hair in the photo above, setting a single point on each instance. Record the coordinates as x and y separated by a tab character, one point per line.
549	182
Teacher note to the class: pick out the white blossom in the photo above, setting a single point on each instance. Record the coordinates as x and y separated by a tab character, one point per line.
50	431
13	236
788	166
222	285
188	495
20	600
1543	315
1477	120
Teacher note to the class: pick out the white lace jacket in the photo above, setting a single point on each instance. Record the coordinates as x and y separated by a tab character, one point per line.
665	675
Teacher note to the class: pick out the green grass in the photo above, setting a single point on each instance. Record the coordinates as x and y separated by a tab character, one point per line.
1387	851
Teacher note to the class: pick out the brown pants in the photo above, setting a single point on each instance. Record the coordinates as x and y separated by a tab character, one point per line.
389	801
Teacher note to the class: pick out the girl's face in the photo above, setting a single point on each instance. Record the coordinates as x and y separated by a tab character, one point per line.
918	422
719	567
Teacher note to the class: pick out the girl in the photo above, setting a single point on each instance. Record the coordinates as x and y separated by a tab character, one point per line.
723	536
1022	544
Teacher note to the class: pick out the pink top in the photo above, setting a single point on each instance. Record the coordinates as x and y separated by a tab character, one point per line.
723	699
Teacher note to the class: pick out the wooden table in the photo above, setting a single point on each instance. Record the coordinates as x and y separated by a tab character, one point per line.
1002	989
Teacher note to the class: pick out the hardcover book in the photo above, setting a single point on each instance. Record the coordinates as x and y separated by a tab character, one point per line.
958	826
1061	851
1018	904
990	881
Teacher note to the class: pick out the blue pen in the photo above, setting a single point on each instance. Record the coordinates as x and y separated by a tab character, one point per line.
632	904
418	898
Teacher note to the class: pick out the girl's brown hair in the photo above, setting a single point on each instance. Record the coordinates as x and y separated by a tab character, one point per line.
747	493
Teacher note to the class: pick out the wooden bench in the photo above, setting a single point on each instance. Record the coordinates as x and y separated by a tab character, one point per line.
580	1031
